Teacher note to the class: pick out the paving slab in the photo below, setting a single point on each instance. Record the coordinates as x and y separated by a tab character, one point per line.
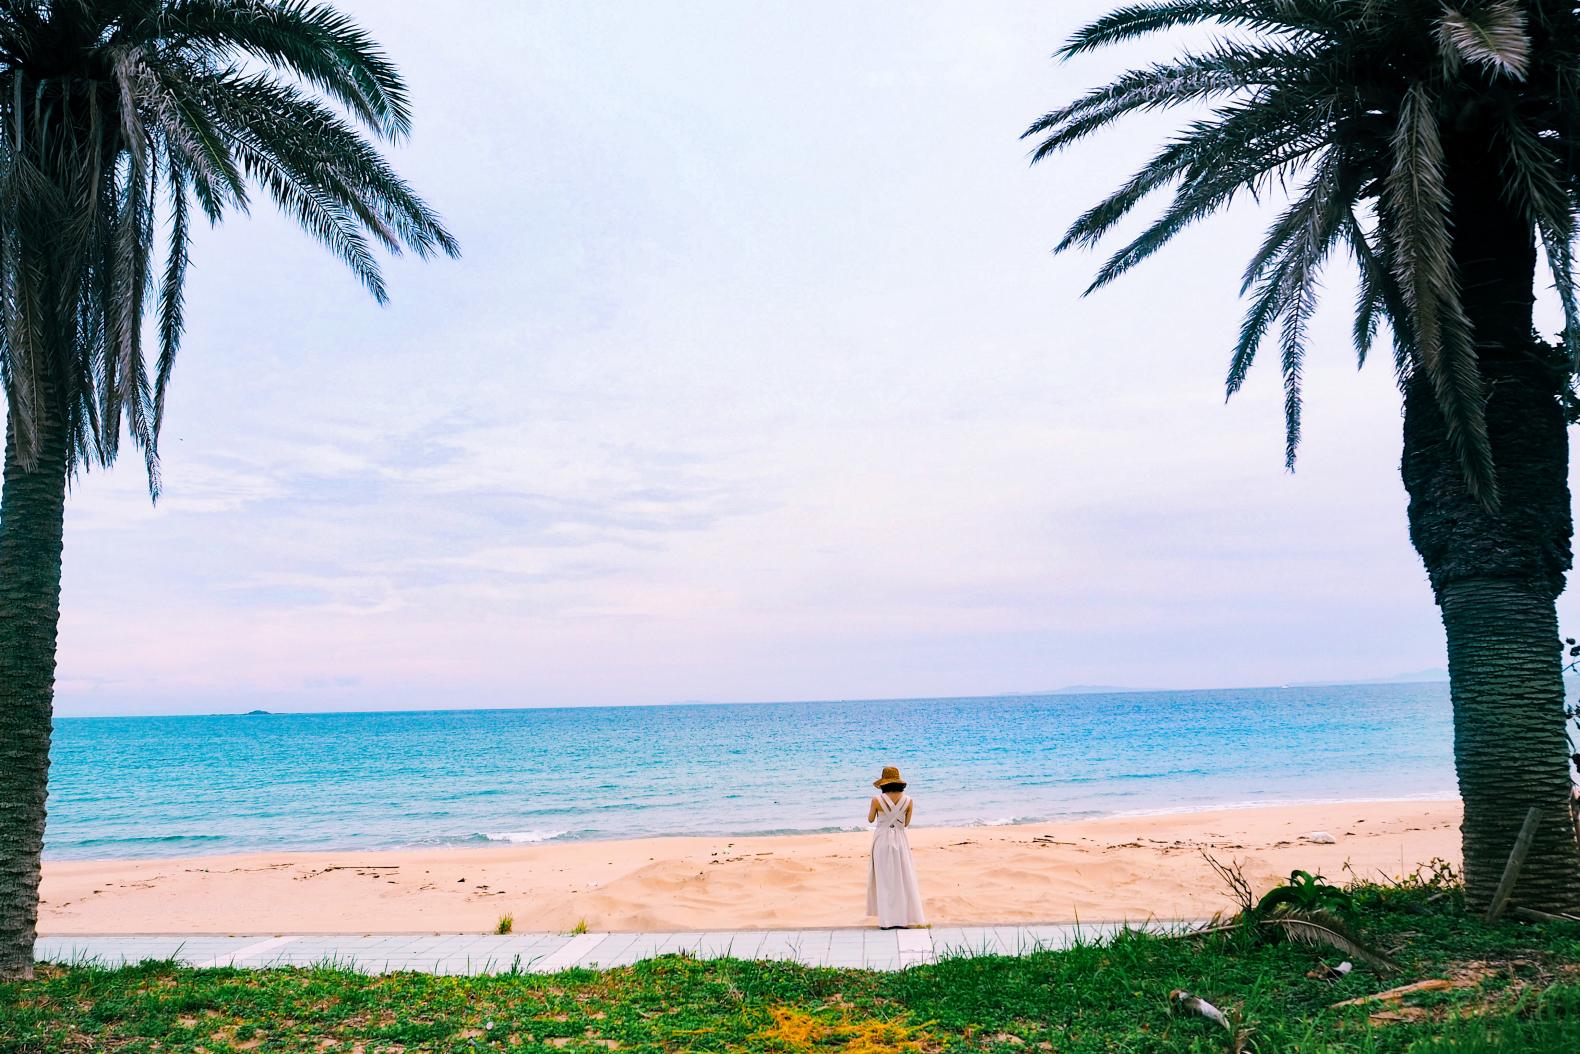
473	953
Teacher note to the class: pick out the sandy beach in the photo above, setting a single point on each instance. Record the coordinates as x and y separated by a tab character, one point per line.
1104	869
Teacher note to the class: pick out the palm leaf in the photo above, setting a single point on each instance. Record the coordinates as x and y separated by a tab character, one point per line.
1227	69
1137	20
1418	203
1272	135
1496	37
1534	181
119	115
1325	930
1299	83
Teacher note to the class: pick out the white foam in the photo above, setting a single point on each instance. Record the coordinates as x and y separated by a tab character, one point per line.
1266	803
525	837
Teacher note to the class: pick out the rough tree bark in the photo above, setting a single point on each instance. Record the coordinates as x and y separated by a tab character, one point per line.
1496	573
32	516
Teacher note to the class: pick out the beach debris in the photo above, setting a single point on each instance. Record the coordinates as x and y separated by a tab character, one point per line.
1511	870
1532	915
1239	1038
1324	972
1399	1016
1320	838
1323	929
1394	995
1197	1005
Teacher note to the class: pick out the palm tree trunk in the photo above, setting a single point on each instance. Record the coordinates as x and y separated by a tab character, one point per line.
1496	573
1509	743
32	515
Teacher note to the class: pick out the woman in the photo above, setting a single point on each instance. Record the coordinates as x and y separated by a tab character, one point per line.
892	893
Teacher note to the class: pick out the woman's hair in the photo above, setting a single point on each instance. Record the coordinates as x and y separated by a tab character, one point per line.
895	786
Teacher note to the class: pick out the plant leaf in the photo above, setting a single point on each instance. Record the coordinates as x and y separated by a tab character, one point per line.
1497	37
1417	198
1325	930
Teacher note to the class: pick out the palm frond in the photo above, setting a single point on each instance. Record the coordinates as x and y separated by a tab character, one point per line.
1227	69
1534	182
1137	20
172	293
1323	929
1206	191
1287	271
312	40
1277	136
1377	297
1496	36
120	116
1296	84
1418	203
323	150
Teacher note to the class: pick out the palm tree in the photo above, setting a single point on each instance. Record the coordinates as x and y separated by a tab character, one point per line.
1435	143
122	122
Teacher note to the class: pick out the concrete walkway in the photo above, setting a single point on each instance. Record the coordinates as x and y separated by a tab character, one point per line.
472	953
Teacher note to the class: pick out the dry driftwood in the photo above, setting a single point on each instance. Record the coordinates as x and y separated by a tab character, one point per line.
1435	984
1511	870
1532	915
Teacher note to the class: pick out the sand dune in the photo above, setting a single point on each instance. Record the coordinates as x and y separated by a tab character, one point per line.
1107	869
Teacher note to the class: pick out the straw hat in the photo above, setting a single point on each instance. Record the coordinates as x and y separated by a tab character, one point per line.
891	774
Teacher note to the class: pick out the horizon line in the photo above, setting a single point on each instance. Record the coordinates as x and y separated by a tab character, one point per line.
1076	692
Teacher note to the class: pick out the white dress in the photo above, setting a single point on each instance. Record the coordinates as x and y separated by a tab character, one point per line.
892	892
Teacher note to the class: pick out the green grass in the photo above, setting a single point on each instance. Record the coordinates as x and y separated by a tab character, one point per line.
505	924
1521	994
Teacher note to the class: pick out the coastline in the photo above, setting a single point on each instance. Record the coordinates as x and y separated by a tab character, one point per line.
1111	868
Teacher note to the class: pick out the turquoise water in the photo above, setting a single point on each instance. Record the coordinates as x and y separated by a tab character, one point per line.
172	786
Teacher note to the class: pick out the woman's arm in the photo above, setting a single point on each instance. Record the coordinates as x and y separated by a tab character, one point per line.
872	810
908	807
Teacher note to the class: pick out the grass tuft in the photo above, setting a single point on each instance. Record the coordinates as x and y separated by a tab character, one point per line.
505	924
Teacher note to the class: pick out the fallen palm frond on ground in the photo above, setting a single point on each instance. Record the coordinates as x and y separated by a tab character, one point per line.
1514	988
1306	910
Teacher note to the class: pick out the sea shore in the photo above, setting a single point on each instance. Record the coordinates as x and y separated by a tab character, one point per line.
1108	869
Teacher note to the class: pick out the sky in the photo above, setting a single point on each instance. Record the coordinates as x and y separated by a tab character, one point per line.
757	380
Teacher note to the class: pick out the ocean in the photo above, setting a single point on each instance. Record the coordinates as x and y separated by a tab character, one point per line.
178	786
